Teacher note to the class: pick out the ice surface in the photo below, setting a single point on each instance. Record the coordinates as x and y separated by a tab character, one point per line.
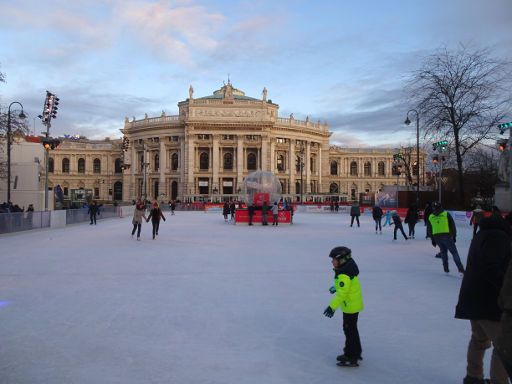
210	302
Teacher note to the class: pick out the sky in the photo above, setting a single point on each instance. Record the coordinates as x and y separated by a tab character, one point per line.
345	63
239	305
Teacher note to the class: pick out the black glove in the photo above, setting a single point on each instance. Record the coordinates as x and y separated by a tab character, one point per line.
163	218
454	239
434	243
332	290
329	312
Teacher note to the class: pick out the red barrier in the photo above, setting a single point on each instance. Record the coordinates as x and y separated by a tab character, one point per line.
242	216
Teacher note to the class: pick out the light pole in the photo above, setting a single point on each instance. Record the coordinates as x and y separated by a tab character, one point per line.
21	116
407	122
398	173
301	151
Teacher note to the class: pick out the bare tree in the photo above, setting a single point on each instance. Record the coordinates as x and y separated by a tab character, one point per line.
461	98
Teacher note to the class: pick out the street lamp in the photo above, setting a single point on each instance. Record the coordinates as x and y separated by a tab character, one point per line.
21	116
407	122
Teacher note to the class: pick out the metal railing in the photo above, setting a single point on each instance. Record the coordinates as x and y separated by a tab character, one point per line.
23	221
81	215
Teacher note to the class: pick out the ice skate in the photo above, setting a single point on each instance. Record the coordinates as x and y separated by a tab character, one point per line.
347	361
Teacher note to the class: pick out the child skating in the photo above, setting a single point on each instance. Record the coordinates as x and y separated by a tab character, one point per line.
348	297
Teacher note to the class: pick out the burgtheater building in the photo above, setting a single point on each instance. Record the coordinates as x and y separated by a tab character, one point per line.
205	151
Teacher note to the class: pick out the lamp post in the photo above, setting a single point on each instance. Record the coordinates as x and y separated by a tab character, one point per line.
407	122
398	173
301	151
21	116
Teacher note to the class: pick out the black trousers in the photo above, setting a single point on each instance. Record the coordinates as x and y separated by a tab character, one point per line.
399	227
135	227
156	224
411	228
378	224
93	218
352	342
352	220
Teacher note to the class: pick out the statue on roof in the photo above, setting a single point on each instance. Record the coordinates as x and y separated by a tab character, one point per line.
264	93
190	92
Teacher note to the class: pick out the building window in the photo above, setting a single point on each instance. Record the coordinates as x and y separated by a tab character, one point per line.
228	161
66	191
312	164
81	165
334	168
117	166
353	168
228	137
204	161
157	162
65	165
174	138
333	188
367	169
381	169
96	166
174	162
203	137
96	193
280	163
251	162
50	164
281	140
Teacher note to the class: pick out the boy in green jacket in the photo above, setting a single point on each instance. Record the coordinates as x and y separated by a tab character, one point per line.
348	296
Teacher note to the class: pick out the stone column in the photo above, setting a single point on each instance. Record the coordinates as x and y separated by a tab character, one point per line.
264	153
273	155
216	163
191	165
291	183
239	161
181	166
307	165
162	186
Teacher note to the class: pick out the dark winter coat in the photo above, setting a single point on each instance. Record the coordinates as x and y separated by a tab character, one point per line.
504	341
355	211
377	213
412	216
396	220
225	209
155	215
93	209
488	257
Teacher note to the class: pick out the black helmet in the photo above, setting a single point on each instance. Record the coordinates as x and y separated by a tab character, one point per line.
340	253
436	205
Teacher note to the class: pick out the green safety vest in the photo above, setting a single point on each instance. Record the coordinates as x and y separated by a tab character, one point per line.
348	294
439	223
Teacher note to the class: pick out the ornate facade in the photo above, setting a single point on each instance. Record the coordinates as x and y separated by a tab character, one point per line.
215	141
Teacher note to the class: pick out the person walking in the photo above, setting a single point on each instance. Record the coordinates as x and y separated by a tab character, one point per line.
411	218
275	214
93	210
377	217
477	215
225	211
444	234
138	214
488	257
397	221
155	215
348	297
355	212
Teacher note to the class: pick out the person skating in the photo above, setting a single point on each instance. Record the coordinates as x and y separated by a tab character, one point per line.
138	214
478	214
225	211
488	257
387	216
264	213
155	215
355	212
275	214
348	297
444	234
93	211
250	212
411	218
232	210
173	207
377	217
397	221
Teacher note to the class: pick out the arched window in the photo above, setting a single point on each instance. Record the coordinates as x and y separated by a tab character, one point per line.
228	160
50	164
381	169
96	166
156	162
297	187
174	162
204	161
117	167
251	162
334	168
81	165
333	188
367	168
65	165
353	168
280	163
174	190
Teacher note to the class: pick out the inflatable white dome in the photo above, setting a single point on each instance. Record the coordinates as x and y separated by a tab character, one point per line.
261	186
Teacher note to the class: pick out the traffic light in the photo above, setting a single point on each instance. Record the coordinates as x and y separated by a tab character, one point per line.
440	144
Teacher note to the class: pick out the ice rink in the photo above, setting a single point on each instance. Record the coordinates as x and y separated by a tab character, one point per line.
210	302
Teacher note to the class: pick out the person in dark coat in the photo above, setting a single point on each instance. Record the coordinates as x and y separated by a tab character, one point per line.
489	254
173	207
155	215
264	209
232	210
503	345
355	212
225	211
377	216
426	213
397	221
411	218
93	210
478	214
250	212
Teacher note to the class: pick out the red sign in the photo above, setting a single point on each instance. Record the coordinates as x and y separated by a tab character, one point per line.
260	198
242	216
